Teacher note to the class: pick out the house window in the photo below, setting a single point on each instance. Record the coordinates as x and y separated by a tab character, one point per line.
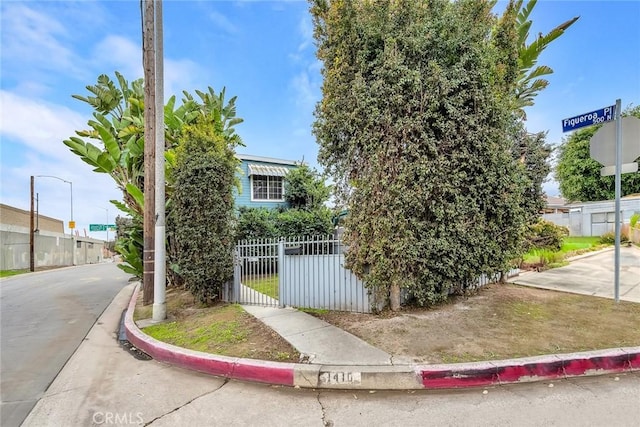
267	188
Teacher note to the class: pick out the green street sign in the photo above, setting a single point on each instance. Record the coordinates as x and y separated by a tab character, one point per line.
102	227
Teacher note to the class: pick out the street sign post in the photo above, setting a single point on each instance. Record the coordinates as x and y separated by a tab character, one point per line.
596	117
612	145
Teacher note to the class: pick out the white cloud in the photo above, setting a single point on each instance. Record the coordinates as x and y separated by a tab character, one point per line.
222	22
305	27
306	85
38	40
37	124
41	127
126	57
119	53
304	90
183	74
307	81
91	191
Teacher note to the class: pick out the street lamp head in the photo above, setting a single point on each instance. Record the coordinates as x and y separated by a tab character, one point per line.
72	223
51	176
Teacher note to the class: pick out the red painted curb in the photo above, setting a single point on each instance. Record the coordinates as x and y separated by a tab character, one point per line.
634	361
228	367
531	369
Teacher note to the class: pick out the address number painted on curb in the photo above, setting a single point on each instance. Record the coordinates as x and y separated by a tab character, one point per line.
340	378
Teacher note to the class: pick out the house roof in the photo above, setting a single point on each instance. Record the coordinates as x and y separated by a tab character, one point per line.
631	198
268	160
555	202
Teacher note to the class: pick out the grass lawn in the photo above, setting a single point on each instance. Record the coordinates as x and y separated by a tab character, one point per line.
224	329
8	273
570	246
267	284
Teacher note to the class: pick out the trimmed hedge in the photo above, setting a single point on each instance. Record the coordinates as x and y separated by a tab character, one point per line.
262	223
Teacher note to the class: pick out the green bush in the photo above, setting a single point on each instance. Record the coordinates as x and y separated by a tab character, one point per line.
262	223
255	223
545	235
634	220
304	188
203	209
610	238
295	222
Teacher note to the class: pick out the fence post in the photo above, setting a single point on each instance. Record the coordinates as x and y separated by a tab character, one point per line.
237	273
281	273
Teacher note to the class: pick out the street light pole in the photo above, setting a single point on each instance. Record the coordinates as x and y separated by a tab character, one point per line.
32	236
107	224
72	224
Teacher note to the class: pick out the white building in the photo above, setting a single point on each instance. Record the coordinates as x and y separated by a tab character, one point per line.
594	218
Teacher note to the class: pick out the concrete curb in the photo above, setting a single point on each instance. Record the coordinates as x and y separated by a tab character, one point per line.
589	254
401	377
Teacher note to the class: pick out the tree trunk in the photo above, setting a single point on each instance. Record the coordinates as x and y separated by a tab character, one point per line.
394	297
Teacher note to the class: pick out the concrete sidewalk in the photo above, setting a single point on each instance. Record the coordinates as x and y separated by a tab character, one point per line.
318	341
591	274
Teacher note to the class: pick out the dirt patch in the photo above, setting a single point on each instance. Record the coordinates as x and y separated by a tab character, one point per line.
502	321
224	329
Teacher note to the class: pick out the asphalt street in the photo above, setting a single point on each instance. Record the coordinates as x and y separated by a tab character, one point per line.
44	318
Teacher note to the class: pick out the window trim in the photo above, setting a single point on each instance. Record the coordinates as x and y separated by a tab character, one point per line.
266	200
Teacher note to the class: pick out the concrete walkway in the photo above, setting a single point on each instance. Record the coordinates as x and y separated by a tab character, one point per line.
591	274
318	341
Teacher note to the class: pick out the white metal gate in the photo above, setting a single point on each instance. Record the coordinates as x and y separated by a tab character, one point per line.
255	275
304	273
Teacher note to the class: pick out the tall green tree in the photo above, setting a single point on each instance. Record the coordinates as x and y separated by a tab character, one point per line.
415	128
530	81
531	150
579	175
532	153
202	210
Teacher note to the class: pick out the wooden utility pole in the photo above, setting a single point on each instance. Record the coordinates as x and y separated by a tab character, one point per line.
149	64
32	237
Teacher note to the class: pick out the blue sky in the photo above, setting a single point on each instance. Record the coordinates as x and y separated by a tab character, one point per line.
261	51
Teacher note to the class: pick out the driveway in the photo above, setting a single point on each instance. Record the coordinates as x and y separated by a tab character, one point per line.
591	274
